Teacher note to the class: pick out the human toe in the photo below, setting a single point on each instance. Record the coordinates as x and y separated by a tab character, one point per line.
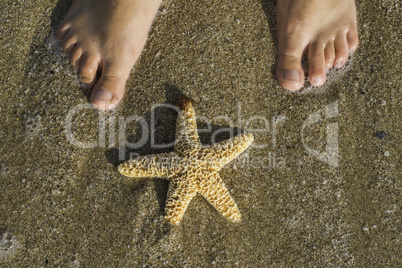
108	94
109	90
316	61
62	31
75	57
289	71
341	51
70	39
329	53
88	69
352	39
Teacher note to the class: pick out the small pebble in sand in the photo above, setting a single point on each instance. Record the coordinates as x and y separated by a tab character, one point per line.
380	134
4	168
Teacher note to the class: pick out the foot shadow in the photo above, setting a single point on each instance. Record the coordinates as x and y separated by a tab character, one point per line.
58	14
44	60
269	7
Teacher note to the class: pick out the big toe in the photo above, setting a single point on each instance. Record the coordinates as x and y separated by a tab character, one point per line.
289	71
109	90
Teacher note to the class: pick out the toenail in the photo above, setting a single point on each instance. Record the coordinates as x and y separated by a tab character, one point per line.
84	79
84	86
318	81
339	64
292	76
103	95
104	106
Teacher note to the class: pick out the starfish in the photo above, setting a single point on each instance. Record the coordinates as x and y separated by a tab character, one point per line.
191	168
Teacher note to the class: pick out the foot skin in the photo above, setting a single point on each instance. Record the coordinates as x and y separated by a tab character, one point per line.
104	39
325	29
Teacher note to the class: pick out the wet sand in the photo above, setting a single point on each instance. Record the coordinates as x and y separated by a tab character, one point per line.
64	205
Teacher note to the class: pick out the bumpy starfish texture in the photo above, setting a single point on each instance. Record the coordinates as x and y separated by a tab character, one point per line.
191	168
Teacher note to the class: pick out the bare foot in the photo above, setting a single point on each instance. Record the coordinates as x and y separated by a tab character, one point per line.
326	29
106	37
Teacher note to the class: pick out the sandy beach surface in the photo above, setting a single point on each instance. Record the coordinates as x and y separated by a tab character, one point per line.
319	188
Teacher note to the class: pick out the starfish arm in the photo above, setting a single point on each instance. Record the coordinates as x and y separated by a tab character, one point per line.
215	192
187	140
219	154
154	165
180	193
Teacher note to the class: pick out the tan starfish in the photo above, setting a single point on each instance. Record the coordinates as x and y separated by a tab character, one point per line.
191	168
